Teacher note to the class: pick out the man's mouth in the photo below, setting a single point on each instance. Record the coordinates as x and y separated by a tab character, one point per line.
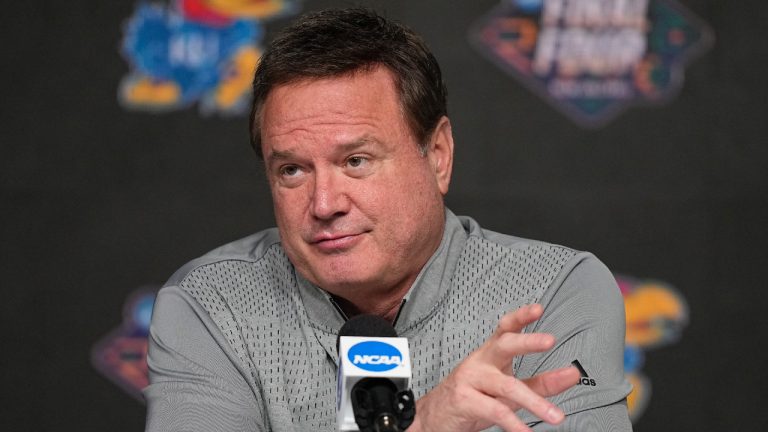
336	242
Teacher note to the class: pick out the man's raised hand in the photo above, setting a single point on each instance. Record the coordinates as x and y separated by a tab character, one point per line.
482	391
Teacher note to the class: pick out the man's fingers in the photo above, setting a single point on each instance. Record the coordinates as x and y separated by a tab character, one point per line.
483	394
554	382
517	320
517	394
496	412
501	350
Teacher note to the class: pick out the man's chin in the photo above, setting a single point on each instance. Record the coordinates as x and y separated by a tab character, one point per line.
342	282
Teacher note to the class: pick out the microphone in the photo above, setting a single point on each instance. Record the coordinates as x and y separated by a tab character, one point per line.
374	377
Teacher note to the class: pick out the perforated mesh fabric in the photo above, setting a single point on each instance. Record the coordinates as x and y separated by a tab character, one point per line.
490	280
258	307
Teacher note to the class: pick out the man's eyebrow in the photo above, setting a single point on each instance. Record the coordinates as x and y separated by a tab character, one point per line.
278	155
354	145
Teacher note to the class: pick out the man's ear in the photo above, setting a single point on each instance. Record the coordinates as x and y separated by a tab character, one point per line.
440	153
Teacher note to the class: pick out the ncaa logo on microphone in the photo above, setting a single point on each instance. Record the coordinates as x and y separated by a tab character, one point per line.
375	356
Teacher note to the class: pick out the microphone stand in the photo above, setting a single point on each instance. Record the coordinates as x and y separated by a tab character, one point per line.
379	407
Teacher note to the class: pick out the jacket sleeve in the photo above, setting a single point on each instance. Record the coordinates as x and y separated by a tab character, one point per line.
196	383
584	310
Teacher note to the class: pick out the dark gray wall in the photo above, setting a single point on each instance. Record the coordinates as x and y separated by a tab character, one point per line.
97	200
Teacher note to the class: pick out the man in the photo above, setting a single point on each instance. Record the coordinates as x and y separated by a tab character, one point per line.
349	116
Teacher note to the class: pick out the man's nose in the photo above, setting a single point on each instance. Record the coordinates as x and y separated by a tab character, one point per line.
329	198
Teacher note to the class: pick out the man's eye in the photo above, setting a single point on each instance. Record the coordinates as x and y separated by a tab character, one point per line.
289	170
356	161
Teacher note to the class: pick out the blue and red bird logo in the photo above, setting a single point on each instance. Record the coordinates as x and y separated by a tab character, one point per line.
656	316
195	52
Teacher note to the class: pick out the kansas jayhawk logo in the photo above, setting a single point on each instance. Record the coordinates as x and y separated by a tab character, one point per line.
195	51
656	316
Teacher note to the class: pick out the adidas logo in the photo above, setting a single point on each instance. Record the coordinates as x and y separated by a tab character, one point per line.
585	379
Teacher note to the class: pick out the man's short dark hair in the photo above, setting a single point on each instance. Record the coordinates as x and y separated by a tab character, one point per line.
340	42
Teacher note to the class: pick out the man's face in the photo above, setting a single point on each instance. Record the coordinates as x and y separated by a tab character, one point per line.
358	207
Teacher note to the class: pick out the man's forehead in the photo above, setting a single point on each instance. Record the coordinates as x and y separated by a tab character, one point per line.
360	102
344	110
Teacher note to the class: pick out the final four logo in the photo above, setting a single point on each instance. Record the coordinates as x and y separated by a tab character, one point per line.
593	58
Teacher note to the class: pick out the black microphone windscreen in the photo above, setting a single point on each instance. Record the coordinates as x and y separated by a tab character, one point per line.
366	325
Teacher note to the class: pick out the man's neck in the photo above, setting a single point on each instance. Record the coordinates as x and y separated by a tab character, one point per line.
387	309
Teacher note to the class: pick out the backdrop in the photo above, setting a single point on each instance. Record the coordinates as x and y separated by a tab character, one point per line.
113	175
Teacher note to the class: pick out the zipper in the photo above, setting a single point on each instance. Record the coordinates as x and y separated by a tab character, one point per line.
398	313
338	308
